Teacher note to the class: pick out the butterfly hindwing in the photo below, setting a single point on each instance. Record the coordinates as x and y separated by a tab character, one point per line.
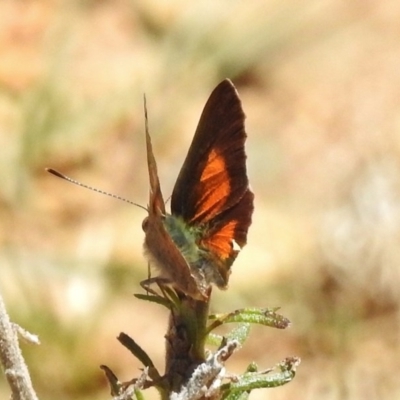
226	236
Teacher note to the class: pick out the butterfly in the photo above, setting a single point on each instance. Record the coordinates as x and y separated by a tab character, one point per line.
211	204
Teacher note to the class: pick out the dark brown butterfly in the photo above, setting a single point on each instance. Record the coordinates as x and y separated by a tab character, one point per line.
211	203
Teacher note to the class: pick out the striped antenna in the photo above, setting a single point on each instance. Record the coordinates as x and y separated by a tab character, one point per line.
67	178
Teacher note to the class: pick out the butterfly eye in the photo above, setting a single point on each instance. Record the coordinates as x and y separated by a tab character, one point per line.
145	223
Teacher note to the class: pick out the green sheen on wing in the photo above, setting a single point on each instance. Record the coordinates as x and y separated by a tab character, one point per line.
184	238
202	264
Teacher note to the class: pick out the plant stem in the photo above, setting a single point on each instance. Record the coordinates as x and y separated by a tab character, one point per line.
185	340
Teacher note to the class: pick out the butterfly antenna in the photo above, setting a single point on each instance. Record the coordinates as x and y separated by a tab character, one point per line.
67	178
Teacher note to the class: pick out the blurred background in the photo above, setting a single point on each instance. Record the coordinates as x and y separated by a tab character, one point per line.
320	85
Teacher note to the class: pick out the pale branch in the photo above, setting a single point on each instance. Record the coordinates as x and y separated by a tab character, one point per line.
11	359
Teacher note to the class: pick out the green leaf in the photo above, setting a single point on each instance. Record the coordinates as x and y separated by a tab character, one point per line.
154	299
264	379
262	316
252	367
214	339
139	394
237	396
240	333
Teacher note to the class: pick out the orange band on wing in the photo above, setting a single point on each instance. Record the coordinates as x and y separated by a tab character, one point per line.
215	184
221	241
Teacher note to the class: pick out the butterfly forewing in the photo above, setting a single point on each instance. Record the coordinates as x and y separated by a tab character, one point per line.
213	176
156	203
212	190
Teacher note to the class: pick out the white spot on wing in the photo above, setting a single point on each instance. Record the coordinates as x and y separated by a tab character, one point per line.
235	246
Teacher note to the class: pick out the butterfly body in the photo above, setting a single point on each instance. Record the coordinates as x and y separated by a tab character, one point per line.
211	203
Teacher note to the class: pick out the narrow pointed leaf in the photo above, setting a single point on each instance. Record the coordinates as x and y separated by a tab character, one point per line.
214	340
154	299
268	379
237	396
262	316
140	354
115	384
240	333
139	394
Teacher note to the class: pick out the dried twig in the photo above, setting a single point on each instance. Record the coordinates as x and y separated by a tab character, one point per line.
11	359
